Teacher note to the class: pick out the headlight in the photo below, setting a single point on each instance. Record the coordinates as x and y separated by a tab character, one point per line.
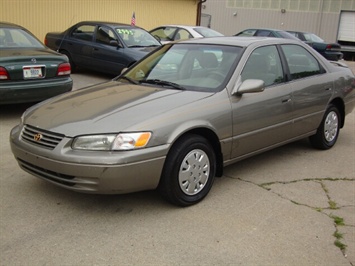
112	142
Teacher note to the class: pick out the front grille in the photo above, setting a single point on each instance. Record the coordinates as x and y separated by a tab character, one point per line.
88	184
40	137
47	174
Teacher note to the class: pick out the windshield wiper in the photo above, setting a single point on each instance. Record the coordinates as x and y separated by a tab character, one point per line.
143	46
136	46
129	79
163	83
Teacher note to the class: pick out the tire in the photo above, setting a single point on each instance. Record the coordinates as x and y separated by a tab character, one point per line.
72	64
189	171
328	131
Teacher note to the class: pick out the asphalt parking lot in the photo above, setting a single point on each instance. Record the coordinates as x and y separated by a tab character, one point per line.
291	206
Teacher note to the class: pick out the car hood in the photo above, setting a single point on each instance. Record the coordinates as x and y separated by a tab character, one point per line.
109	108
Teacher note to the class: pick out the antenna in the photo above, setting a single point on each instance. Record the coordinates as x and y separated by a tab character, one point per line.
60	44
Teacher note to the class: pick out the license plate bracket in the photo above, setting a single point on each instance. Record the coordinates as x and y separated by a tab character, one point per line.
33	72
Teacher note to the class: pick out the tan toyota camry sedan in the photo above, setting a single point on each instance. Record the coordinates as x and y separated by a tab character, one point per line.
173	120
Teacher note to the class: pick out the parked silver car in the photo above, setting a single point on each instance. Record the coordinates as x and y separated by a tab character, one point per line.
174	119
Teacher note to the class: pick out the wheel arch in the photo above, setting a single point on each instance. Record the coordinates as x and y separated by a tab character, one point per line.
339	104
212	138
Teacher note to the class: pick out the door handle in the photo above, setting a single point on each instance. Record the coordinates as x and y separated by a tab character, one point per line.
286	100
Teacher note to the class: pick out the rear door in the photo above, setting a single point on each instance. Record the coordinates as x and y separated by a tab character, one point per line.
311	88
79	44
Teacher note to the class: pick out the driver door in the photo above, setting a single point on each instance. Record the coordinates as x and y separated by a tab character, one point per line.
262	119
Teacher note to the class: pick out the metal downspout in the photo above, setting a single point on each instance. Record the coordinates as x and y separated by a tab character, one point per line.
198	17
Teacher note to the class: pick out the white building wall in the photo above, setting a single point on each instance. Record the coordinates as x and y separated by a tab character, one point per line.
318	16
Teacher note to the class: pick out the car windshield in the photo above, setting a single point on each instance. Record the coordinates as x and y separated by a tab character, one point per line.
312	37
206	32
136	37
18	38
186	66
287	35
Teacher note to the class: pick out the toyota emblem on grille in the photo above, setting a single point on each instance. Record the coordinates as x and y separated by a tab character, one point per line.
37	137
33	60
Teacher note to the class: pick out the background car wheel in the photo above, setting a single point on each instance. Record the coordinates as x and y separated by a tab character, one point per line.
328	131
189	171
72	64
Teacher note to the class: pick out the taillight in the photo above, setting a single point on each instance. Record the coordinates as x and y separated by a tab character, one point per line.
64	69
329	47
4	74
45	41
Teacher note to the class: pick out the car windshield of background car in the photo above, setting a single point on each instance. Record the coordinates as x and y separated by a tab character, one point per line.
206	32
164	34
191	66
136	37
287	35
18	38
312	37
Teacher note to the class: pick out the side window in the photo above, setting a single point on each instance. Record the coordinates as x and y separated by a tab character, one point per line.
264	63
300	62
264	33
247	33
105	35
182	35
84	32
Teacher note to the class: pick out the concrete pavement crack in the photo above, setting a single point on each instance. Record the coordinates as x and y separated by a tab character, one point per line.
332	205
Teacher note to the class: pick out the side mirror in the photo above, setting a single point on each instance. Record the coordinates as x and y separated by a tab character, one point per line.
115	44
249	86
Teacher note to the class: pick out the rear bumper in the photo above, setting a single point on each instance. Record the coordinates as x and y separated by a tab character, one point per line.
33	91
333	56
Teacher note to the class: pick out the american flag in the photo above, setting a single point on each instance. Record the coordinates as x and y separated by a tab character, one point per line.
133	19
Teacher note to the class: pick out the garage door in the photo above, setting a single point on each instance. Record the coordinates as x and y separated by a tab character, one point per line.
346	30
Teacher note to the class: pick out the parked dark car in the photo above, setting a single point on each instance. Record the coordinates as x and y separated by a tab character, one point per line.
29	71
266	33
330	51
106	47
176	117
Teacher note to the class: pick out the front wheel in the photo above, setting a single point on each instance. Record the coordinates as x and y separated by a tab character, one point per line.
189	171
328	131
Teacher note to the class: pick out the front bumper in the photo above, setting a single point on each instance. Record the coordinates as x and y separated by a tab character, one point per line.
91	172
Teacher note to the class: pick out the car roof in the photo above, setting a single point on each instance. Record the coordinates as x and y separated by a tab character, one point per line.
300	31
240	41
4	24
269	29
107	23
181	26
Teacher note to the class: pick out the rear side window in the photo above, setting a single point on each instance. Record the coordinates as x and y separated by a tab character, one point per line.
84	32
300	62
